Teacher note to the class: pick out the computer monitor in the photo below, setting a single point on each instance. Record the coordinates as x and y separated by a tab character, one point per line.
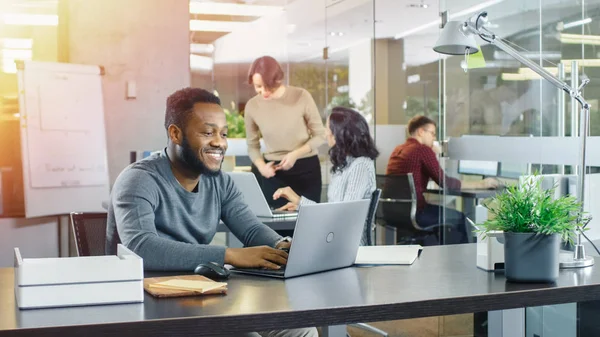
477	167
512	170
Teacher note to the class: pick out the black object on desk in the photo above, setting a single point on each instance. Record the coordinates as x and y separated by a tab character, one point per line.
471	193
212	270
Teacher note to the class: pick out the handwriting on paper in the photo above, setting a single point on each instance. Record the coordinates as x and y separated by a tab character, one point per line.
73	168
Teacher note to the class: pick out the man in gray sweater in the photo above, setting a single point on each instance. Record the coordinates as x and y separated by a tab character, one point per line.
166	208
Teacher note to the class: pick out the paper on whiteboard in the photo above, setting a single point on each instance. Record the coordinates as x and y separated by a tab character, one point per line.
69	112
65	130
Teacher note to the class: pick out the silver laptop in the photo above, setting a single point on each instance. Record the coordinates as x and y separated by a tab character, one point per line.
326	237
246	182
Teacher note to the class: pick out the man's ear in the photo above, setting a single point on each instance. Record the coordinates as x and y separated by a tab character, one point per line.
175	134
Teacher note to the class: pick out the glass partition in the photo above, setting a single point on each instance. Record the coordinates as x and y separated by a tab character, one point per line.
504	99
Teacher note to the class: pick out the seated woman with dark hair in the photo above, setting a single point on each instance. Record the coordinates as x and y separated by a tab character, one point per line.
352	153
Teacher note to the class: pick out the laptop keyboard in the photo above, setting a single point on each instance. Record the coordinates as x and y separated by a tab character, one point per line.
277	272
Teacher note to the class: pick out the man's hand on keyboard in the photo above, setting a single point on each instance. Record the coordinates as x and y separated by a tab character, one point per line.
256	257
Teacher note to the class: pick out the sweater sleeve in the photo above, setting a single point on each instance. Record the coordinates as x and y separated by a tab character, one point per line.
135	196
252	133
242	222
314	122
360	180
306	201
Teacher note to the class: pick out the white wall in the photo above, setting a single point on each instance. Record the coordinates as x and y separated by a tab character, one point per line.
34	237
142	41
360	70
387	137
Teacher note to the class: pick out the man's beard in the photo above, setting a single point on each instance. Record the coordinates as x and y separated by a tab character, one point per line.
192	161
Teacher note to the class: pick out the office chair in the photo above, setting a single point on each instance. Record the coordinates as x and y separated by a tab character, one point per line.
398	208
89	230
368	237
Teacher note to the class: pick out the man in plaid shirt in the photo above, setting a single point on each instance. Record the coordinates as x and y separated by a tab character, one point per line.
416	156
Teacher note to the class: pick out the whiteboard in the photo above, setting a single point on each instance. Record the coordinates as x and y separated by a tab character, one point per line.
63	138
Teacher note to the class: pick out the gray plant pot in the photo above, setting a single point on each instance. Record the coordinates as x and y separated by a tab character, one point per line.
531	258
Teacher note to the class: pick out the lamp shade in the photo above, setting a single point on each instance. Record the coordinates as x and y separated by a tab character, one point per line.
454	40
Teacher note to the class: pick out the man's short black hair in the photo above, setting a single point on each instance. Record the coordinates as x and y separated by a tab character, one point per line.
181	103
418	122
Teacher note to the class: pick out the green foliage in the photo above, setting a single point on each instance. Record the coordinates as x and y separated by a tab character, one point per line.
527	208
235	122
320	82
415	106
341	100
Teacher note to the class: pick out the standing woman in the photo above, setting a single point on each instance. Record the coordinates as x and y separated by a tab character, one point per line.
289	122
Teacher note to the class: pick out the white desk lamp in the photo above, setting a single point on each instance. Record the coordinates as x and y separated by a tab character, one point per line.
458	38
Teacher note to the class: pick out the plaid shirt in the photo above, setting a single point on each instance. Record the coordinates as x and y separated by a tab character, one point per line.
420	160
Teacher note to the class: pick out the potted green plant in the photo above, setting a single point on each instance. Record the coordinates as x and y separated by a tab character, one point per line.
235	122
534	223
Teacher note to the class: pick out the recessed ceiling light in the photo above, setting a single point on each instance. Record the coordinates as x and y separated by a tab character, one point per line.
336	33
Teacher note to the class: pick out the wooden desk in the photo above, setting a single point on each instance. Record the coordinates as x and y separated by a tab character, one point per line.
443	281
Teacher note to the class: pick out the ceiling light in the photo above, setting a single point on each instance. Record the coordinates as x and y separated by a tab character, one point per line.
198	62
519	77
561	26
202	48
496	64
30	19
413	78
218	8
500	55
583	63
9	43
579	39
214	26
467	11
36	4
16	54
528	71
588	42
336	33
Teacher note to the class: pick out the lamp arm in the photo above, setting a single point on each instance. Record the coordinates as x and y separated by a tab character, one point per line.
533	66
473	26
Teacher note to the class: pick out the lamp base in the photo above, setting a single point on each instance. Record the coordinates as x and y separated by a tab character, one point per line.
576	259
587	261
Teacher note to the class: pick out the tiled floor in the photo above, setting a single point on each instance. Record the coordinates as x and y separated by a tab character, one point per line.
444	326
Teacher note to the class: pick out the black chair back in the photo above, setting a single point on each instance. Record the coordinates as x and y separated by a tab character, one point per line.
371	217
398	202
90	233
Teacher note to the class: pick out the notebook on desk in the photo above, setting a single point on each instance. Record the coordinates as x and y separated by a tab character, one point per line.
382	255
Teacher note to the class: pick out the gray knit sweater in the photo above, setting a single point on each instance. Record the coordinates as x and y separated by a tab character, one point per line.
356	181
170	227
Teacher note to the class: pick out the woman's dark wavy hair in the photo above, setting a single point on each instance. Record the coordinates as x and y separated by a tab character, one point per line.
352	137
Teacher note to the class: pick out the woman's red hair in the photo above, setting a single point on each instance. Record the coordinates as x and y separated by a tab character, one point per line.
270	71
